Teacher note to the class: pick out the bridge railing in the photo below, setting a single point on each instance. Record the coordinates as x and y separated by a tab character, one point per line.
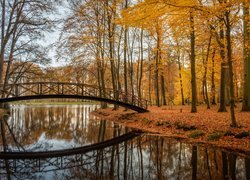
65	88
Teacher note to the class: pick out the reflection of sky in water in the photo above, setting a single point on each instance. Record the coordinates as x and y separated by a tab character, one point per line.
45	144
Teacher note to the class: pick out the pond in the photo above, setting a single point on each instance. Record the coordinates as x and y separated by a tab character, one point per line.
105	150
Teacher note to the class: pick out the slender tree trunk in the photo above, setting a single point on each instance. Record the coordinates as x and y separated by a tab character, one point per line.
111	50
125	57
164	102
2	41
141	66
157	73
222	107
192	61
230	68
205	74
213	102
246	56
149	76
100	60
180	77
130	65
119	61
160	65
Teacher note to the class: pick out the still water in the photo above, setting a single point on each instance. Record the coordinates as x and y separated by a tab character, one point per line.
58	127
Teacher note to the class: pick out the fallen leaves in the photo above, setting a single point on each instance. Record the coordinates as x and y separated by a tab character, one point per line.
213	127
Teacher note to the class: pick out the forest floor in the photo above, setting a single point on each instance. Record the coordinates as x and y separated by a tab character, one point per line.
206	127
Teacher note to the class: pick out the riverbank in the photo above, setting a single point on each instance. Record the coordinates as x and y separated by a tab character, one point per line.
207	127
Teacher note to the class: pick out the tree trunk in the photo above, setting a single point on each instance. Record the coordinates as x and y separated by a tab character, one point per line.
2	41
205	74
164	102
157	72
213	102
125	58
230	68
141	66
149	76
192	61
246	56
111	50
180	77
222	107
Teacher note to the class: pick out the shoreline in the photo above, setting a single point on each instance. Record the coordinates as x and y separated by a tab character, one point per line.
185	126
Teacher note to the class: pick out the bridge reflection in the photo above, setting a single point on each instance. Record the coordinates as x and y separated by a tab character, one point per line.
26	163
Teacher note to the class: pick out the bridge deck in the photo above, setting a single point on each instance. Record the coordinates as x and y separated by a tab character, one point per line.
39	90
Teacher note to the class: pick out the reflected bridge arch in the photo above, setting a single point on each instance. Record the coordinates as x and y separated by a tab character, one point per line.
43	161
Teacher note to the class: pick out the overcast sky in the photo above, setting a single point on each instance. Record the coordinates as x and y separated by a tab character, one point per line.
51	38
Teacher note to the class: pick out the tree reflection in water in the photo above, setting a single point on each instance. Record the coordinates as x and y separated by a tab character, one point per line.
44	128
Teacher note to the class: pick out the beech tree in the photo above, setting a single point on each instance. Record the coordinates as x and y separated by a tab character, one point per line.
246	56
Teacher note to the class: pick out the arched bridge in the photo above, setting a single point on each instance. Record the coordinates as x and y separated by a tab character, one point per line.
43	90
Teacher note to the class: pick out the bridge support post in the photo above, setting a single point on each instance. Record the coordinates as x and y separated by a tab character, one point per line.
16	90
62	89
58	88
40	88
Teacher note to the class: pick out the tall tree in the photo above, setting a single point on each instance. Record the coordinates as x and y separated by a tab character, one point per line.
125	55
230	67
246	56
192	62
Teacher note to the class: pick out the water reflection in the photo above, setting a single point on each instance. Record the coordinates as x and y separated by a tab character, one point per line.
144	157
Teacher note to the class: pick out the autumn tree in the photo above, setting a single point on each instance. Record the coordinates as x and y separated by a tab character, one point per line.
246	56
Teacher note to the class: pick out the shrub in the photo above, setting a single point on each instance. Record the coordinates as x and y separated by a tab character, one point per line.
185	127
159	123
214	136
242	134
196	134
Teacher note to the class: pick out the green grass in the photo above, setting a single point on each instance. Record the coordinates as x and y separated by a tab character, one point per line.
159	123
214	136
184	127
196	134
242	134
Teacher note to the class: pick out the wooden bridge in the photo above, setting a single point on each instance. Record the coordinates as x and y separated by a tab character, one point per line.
43	90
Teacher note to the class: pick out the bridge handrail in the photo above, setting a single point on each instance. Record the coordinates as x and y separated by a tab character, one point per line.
14	90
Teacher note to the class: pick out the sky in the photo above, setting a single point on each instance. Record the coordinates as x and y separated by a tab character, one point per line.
50	39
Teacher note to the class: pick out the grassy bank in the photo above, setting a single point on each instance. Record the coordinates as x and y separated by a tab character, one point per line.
207	127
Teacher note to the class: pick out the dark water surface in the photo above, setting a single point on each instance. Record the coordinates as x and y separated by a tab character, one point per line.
58	127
